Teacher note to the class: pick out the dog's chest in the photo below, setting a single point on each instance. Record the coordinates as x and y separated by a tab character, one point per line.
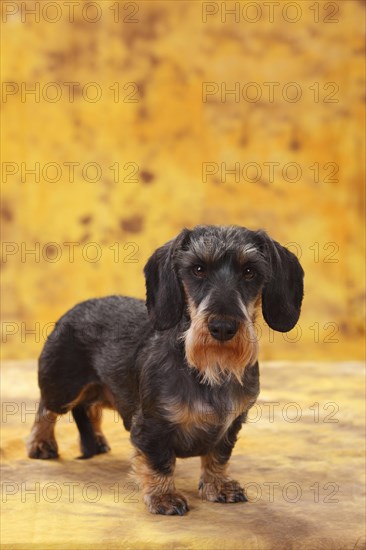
203	414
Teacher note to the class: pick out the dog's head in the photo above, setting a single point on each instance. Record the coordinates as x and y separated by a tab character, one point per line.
218	276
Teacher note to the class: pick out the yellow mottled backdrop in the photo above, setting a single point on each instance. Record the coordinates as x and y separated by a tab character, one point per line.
124	121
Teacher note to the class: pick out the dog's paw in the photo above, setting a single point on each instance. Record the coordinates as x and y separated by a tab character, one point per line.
222	491
43	450
96	447
101	444
168	504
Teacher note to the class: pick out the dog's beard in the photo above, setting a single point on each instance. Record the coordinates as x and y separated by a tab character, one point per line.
219	361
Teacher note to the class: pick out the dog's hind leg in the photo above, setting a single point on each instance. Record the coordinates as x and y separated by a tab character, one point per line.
88	444
42	442
95	412
88	421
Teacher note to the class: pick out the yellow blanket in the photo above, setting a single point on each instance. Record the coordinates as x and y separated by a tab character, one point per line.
299	457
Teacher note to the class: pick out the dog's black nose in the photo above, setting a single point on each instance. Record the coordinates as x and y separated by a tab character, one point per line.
223	329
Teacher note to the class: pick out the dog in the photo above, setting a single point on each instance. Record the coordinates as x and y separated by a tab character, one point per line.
182	369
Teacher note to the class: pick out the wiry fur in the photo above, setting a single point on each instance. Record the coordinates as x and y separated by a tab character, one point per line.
181	371
217	361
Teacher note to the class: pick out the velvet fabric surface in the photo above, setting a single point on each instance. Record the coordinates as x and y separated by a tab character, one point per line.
300	458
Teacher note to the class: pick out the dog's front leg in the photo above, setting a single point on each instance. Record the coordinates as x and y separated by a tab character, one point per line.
156	479
215	485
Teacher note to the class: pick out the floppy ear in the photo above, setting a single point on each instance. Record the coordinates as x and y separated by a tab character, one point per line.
164	292
283	292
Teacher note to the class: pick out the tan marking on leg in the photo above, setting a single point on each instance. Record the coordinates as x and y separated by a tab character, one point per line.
95	413
86	391
42	442
215	485
93	393
159	493
212	470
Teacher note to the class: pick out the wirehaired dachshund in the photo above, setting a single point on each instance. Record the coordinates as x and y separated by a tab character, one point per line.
182	370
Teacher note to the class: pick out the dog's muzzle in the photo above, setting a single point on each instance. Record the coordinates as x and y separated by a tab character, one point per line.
223	329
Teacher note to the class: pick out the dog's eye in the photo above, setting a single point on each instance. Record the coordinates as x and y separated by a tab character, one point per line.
249	273
199	271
